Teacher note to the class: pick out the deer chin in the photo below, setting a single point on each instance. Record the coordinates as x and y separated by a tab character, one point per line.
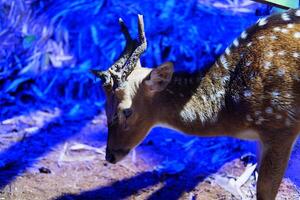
114	156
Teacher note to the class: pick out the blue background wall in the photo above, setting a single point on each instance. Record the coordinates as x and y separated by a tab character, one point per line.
40	40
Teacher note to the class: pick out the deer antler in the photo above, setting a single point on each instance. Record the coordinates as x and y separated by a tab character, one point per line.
117	74
135	56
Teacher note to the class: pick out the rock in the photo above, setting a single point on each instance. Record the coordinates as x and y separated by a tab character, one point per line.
44	170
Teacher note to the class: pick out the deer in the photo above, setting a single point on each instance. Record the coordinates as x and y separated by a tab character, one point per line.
251	91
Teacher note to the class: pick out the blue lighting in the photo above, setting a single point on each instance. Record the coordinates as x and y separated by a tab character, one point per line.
47	49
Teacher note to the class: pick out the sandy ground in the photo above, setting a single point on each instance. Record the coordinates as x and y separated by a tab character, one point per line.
54	154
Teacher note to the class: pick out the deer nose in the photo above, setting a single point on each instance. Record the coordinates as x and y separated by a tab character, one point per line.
110	157
114	156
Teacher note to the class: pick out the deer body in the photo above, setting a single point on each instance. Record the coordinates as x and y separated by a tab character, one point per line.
252	92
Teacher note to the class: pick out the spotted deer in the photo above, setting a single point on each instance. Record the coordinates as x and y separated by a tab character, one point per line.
252	91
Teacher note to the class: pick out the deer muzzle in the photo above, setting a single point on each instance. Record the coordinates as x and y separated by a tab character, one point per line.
114	156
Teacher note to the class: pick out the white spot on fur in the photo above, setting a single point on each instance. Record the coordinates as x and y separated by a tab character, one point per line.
269	110
280	72
297	35
276	29
224	62
248	63
284	30
220	93
290	26
285	17
281	53
296	55
225	79
297	13
244	35
227	50
267	64
203	97
249	118
261	37
275	94
188	114
262	21
273	37
247	93
270	54
257	113
249	44
236	42
236	98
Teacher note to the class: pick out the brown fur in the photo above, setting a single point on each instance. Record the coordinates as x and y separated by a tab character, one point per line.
252	91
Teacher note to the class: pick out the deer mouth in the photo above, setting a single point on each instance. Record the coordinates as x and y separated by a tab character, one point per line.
114	156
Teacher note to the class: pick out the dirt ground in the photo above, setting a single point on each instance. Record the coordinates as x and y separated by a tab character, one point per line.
55	153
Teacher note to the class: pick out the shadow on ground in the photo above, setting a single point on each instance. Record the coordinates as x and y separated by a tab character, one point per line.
24	153
173	186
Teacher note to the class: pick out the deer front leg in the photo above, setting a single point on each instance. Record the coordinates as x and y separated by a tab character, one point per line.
275	156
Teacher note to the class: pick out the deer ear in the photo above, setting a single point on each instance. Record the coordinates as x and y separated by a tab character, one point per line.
160	77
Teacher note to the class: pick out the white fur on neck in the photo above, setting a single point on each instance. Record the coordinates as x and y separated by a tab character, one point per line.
203	108
189	114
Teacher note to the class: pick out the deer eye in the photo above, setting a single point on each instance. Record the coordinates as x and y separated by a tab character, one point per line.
127	112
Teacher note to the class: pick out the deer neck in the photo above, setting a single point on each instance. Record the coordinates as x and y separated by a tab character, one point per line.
193	103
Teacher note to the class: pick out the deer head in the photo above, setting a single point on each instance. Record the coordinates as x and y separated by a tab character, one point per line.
129	90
